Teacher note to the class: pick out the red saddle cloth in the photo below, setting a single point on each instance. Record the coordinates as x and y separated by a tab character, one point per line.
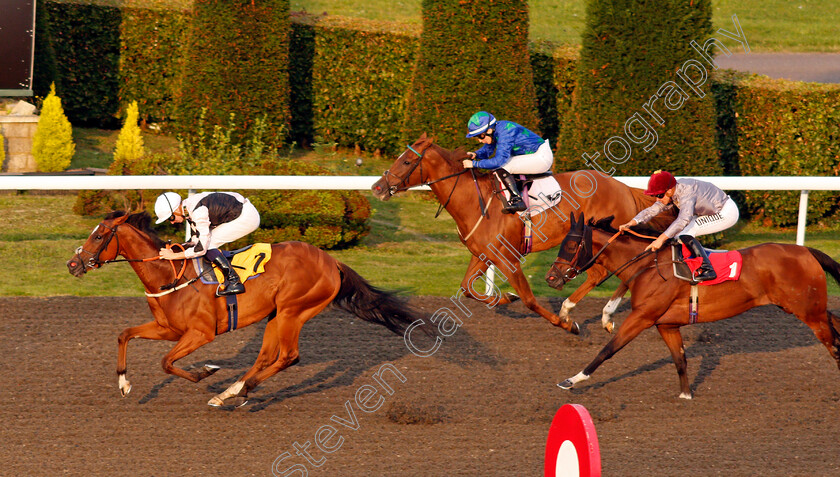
727	265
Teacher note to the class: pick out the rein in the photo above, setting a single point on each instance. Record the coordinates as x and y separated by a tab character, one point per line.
585	267
170	287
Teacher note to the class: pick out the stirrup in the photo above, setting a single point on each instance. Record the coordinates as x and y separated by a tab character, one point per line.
230	288
704	275
514	206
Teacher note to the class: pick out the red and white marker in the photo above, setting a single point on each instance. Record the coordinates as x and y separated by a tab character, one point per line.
572	446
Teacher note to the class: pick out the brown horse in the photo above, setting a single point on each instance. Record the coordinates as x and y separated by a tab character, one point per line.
496	238
299	281
789	276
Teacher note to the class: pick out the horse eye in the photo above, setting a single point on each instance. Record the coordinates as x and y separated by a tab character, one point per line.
407	163
98	237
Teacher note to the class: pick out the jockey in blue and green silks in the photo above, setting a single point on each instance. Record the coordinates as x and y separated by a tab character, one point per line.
507	148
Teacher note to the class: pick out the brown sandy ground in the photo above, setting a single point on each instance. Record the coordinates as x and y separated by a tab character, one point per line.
767	397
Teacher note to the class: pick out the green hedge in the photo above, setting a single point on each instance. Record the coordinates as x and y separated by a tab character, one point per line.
151	63
473	56
771	127
351	90
86	41
237	65
554	82
630	48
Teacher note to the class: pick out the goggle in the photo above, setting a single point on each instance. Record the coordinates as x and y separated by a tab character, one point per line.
659	196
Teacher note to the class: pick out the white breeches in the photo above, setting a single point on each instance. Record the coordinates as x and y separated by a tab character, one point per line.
536	163
709	224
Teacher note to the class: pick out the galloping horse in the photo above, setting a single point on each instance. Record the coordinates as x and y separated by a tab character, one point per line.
299	281
789	276
498	238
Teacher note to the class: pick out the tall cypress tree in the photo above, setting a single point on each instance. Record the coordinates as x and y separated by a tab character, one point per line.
237	63
473	56
631	49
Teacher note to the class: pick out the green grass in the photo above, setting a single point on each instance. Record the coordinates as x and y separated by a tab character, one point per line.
407	249
770	25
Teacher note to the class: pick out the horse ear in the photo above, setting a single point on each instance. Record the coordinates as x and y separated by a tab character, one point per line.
573	224
581	221
423	136
121	219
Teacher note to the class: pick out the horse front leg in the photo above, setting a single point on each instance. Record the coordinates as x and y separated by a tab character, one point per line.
477	276
151	331
519	283
188	342
633	325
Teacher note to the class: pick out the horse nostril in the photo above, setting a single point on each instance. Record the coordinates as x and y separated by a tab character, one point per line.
378	188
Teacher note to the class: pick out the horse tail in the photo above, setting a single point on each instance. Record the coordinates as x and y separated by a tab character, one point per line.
372	304
827	263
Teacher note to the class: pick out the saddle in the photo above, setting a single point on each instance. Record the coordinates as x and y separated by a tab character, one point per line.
727	264
249	262
539	191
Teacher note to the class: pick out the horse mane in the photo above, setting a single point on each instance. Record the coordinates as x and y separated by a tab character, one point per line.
141	221
454	156
605	225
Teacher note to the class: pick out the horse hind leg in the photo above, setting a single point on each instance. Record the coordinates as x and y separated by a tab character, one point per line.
673	338
827	330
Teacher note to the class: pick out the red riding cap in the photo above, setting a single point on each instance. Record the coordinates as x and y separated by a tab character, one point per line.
660	181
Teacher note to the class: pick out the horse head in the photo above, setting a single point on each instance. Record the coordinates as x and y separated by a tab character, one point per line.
410	169
103	244
574	254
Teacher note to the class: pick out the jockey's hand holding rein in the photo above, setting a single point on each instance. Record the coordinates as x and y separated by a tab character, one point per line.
169	254
468	163
655	245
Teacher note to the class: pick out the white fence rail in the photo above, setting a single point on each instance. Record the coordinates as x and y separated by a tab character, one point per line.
46	182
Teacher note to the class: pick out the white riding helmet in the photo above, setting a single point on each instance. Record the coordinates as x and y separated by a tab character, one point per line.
165	206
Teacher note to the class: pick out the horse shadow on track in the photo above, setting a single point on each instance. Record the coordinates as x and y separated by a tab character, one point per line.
344	347
766	329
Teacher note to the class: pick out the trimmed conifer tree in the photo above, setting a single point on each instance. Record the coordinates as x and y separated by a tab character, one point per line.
129	147
473	56
237	67
631	50
53	146
2	149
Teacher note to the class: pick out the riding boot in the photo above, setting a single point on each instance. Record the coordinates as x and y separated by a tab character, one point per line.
232	285
516	204
706	271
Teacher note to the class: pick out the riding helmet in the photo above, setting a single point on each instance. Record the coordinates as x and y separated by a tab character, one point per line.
165	206
479	123
660	181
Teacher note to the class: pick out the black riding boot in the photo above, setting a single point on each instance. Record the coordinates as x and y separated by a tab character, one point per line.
706	271
232	285
516	204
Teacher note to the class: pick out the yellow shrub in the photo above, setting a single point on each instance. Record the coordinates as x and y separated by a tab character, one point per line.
53	146
129	143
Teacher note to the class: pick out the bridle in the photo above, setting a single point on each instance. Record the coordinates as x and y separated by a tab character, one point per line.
584	243
402	185
94	258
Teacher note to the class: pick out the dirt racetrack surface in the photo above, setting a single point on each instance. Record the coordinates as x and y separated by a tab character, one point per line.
767	397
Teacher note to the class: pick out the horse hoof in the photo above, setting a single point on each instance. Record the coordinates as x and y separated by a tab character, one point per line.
567	384
215	402
240	401
686	396
125	389
512	297
574	328
610	326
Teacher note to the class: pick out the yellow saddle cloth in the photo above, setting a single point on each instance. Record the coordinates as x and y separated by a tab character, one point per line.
248	263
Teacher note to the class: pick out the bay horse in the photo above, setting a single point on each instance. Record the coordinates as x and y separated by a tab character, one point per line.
496	238
299	281
789	276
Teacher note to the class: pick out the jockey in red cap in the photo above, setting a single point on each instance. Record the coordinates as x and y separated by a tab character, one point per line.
704	209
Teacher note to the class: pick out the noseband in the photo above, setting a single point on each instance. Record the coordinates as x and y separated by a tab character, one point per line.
401	185
93	260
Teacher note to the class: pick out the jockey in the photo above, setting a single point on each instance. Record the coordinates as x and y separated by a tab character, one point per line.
704	209
508	148
215	218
